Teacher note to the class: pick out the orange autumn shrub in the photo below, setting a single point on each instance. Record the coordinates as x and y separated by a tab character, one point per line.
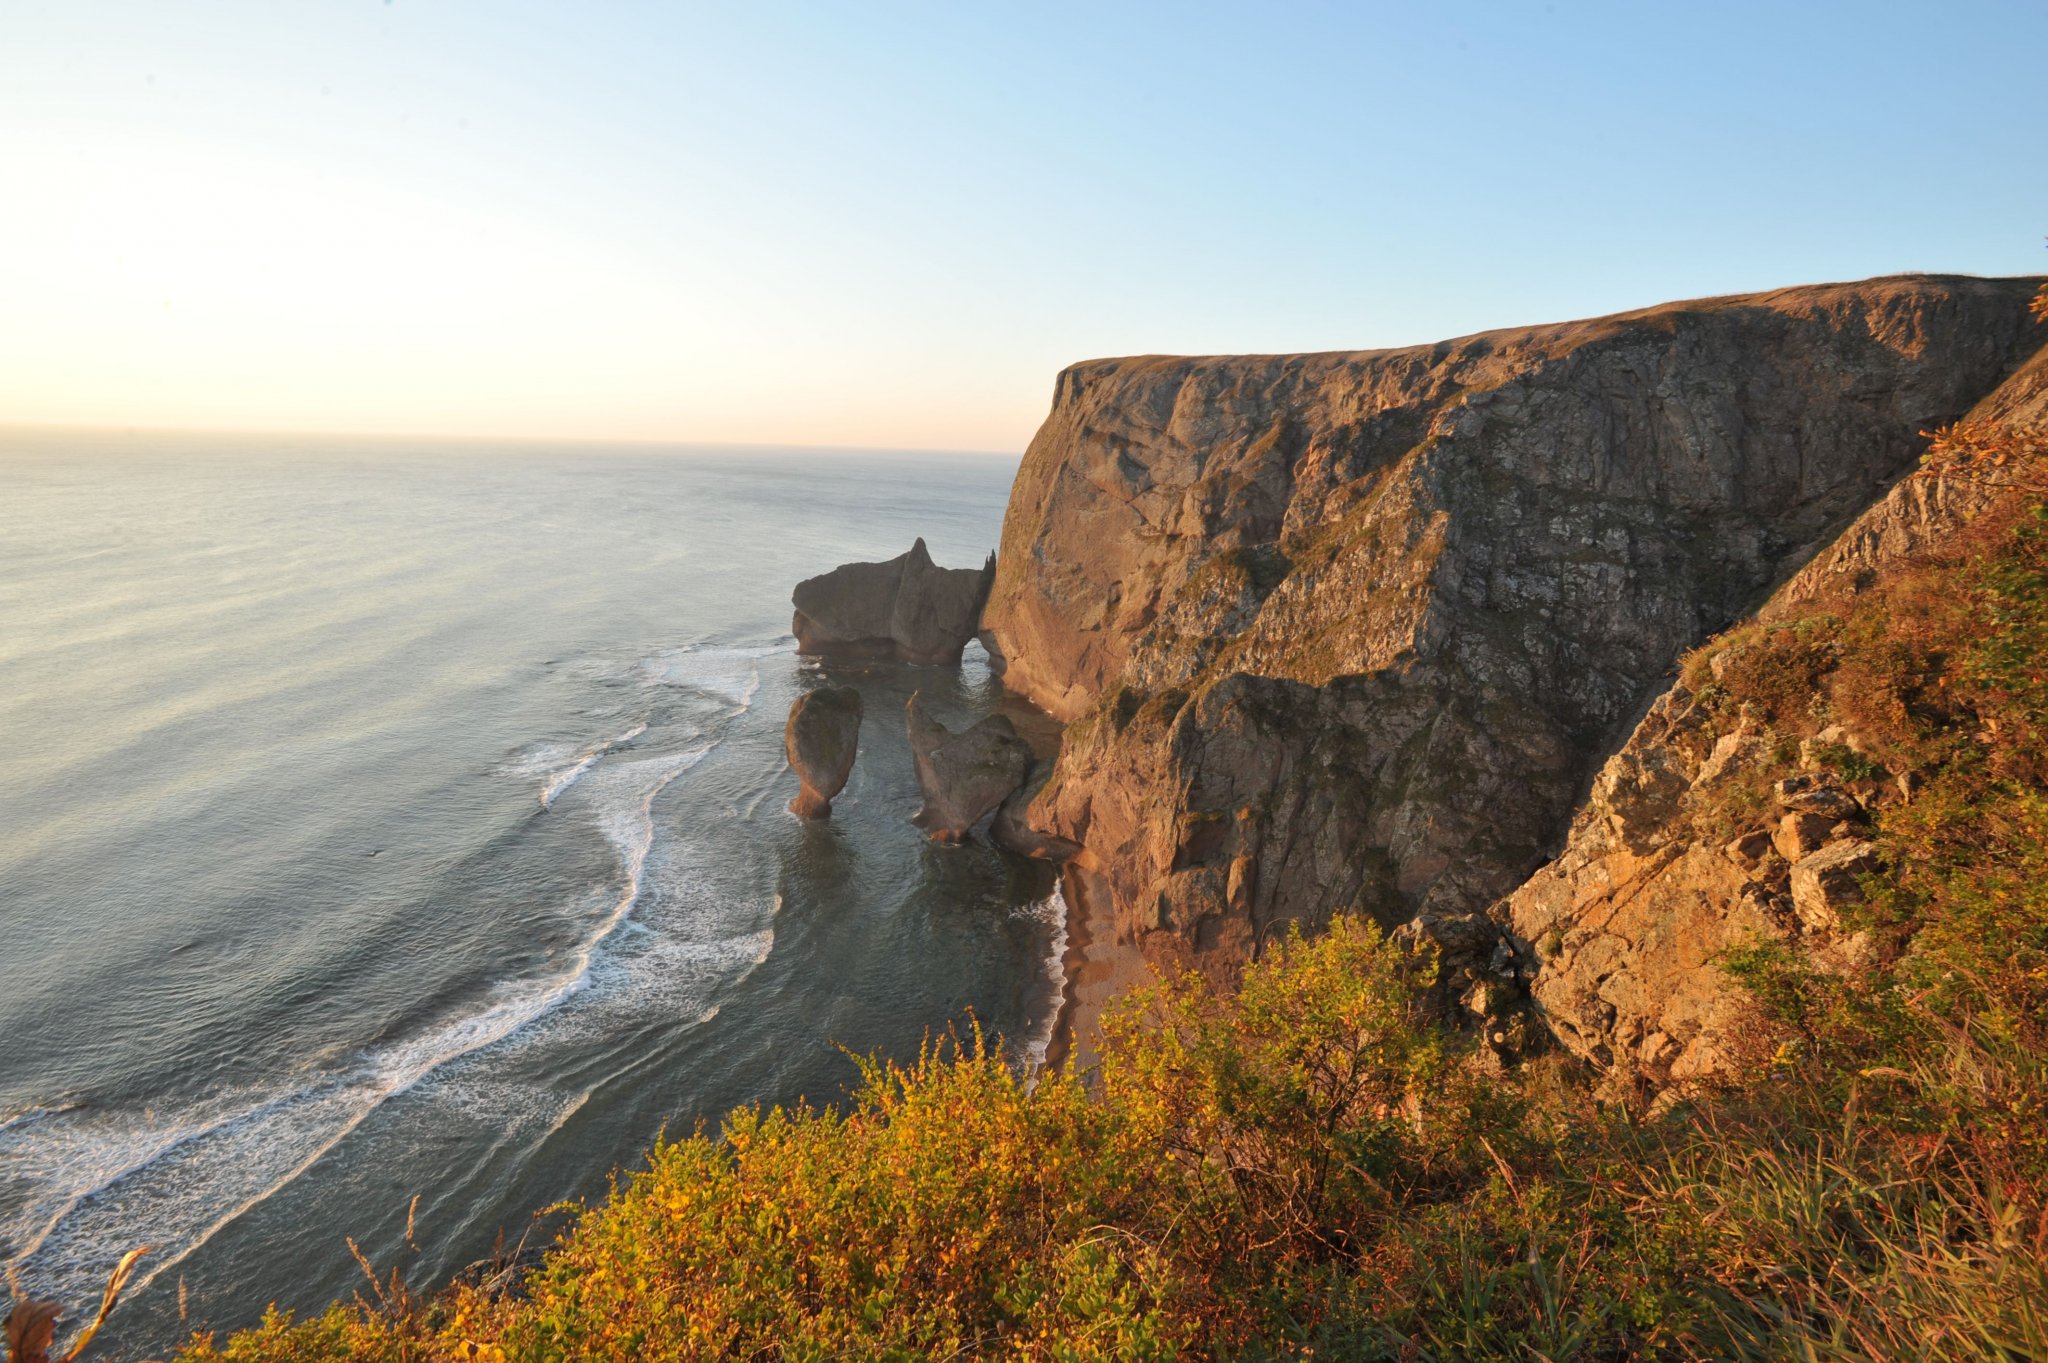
958	1211
1303	1117
954	1211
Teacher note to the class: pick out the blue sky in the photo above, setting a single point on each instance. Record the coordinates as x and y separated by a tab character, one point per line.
890	224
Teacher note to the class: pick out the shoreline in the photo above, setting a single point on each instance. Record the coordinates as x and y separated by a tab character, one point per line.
1098	968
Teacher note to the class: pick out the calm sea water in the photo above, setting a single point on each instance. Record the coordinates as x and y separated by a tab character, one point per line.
385	819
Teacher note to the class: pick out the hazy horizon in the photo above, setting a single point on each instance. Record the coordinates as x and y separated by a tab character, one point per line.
487	441
798	225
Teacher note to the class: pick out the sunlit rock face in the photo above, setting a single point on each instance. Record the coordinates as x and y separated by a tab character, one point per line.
966	775
1355	630
821	739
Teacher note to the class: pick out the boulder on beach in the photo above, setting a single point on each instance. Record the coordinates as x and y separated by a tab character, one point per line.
964	775
822	738
908	609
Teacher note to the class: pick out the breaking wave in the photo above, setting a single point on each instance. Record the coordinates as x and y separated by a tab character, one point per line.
87	1184
1052	912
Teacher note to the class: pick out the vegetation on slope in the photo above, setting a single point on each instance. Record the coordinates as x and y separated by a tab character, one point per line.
1311	1169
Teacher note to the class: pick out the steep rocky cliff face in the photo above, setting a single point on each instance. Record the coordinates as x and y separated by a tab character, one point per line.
1718	826
1352	631
1917	512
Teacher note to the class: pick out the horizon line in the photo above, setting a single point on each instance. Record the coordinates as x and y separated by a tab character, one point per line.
449	437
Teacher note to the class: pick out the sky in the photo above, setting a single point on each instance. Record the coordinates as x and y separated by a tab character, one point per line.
888	224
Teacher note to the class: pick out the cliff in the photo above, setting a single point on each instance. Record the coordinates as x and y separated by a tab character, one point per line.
1353	631
1759	801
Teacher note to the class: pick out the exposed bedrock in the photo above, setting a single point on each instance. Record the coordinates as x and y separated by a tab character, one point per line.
1917	512
1011	827
1354	630
964	775
822	739
908	609
1620	938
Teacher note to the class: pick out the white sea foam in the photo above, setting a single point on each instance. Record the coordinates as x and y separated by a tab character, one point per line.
1051	911
94	1184
562	778
558	766
710	938
731	674
568	1110
538	759
729	958
31	1114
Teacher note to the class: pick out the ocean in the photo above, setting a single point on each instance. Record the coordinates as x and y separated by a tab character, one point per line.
394	832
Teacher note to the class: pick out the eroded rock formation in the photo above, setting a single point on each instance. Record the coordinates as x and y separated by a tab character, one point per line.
1352	631
908	609
964	775
822	738
1011	827
1621	939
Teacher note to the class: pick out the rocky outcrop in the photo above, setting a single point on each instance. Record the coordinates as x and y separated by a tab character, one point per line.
1351	631
1622	936
964	775
1917	512
1621	941
1011	828
907	609
822	738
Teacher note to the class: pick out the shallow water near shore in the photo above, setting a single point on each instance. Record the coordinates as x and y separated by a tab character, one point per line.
382	819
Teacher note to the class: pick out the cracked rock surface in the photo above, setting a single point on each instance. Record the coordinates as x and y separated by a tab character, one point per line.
1355	630
1621	938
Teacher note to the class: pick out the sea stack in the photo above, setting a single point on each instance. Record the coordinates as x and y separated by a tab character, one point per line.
907	609
822	738
964	775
